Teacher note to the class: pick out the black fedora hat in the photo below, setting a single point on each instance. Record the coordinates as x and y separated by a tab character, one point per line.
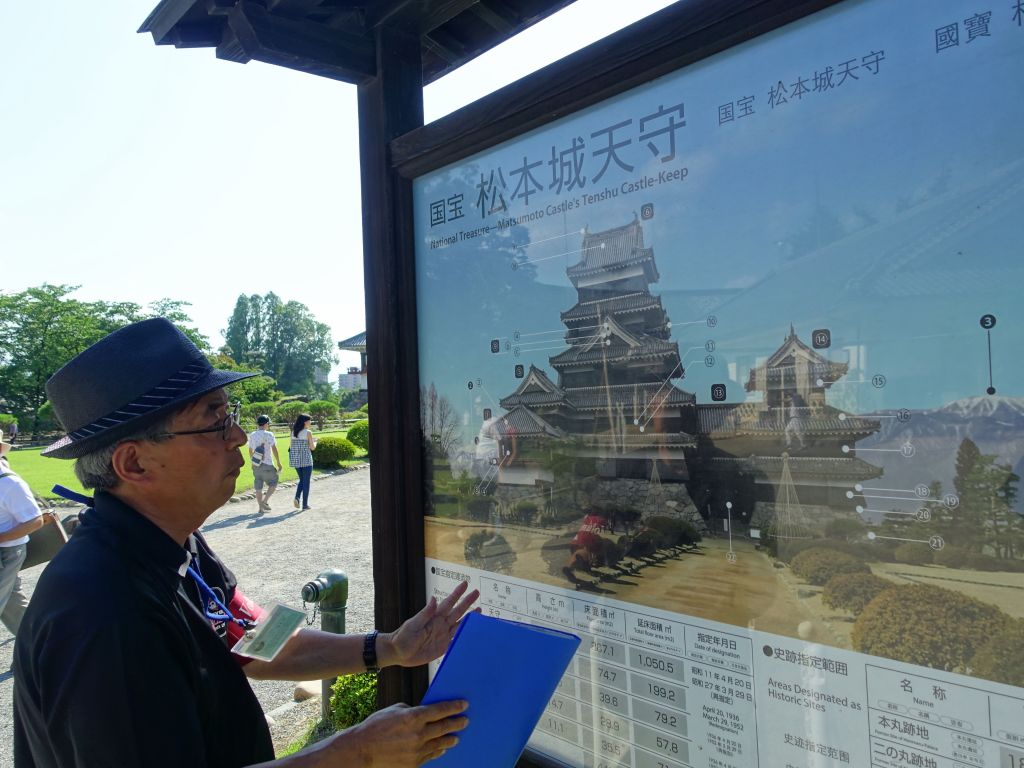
127	381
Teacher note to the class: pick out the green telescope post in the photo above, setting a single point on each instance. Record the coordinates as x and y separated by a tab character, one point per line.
329	592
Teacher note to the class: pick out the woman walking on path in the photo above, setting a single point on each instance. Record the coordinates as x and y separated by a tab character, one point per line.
300	456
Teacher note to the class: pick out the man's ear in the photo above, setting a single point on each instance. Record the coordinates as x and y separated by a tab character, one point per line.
130	462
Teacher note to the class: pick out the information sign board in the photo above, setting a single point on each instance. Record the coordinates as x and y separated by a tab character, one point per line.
723	374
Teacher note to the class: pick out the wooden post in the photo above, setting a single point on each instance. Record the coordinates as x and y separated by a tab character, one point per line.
390	105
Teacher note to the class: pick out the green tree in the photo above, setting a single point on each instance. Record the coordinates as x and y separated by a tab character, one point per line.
283	339
321	411
42	328
988	492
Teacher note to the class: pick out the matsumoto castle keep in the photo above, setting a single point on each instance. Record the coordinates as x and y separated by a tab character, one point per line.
611	397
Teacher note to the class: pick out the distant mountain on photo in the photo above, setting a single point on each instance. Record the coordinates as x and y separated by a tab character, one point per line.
994	422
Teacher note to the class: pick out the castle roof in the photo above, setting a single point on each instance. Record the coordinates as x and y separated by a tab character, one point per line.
757	420
792	359
646	398
522	422
614	344
612	250
535	389
615	305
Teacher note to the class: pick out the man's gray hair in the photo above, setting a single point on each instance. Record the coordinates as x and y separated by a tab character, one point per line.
95	470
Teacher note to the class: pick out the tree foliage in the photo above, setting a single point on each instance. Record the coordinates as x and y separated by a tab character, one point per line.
322	411
282	339
42	328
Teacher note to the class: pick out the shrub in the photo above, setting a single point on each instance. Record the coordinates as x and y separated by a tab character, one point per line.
913	553
365	409
489	551
6	419
926	625
819	564
321	411
331	451
1002	657
643	544
252	411
844	529
979	562
479	508
46	419
677	533
286	413
353	699
359	434
525	510
853	591
951	557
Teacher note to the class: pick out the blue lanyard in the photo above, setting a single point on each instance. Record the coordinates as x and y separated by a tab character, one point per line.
225	614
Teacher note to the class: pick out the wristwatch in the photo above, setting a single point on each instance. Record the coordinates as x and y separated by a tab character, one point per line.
370	652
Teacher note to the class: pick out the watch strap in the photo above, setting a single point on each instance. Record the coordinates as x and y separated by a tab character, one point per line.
370	652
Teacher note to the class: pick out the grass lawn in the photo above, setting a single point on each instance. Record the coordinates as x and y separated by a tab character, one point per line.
42	474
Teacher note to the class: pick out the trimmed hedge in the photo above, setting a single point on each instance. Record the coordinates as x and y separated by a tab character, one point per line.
853	591
359	434
819	564
677	533
926	625
951	557
1002	657
331	451
914	554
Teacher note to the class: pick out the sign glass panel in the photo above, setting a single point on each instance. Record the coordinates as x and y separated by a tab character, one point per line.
724	375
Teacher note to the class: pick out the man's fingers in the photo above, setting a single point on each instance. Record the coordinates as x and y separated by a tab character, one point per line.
442	710
437	747
441	728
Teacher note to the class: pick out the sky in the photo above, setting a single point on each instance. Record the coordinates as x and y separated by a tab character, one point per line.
142	172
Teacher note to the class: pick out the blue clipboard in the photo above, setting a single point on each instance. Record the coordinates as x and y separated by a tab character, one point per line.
507	671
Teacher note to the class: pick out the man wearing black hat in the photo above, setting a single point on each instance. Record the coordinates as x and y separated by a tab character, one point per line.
123	655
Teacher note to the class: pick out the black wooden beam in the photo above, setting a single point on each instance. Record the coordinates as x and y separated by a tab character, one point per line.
389	105
679	35
298	44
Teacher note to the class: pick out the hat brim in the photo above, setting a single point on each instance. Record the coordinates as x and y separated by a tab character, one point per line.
70	448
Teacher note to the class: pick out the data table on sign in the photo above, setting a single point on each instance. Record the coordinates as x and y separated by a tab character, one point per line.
917	720
642	691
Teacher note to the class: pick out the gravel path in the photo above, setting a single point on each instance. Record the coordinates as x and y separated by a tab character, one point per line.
273	556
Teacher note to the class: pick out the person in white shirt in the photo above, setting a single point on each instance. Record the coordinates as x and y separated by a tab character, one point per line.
261	445
19	516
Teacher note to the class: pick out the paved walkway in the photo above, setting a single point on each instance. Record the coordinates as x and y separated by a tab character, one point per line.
273	556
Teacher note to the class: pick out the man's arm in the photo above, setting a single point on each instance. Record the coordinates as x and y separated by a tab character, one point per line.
277	458
397	737
312	654
24	529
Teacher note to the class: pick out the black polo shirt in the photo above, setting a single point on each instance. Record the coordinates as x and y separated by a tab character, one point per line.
115	665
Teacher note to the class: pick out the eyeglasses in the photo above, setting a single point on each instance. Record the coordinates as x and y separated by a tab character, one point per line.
225	427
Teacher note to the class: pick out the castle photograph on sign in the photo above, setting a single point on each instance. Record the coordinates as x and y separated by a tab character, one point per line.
678	352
